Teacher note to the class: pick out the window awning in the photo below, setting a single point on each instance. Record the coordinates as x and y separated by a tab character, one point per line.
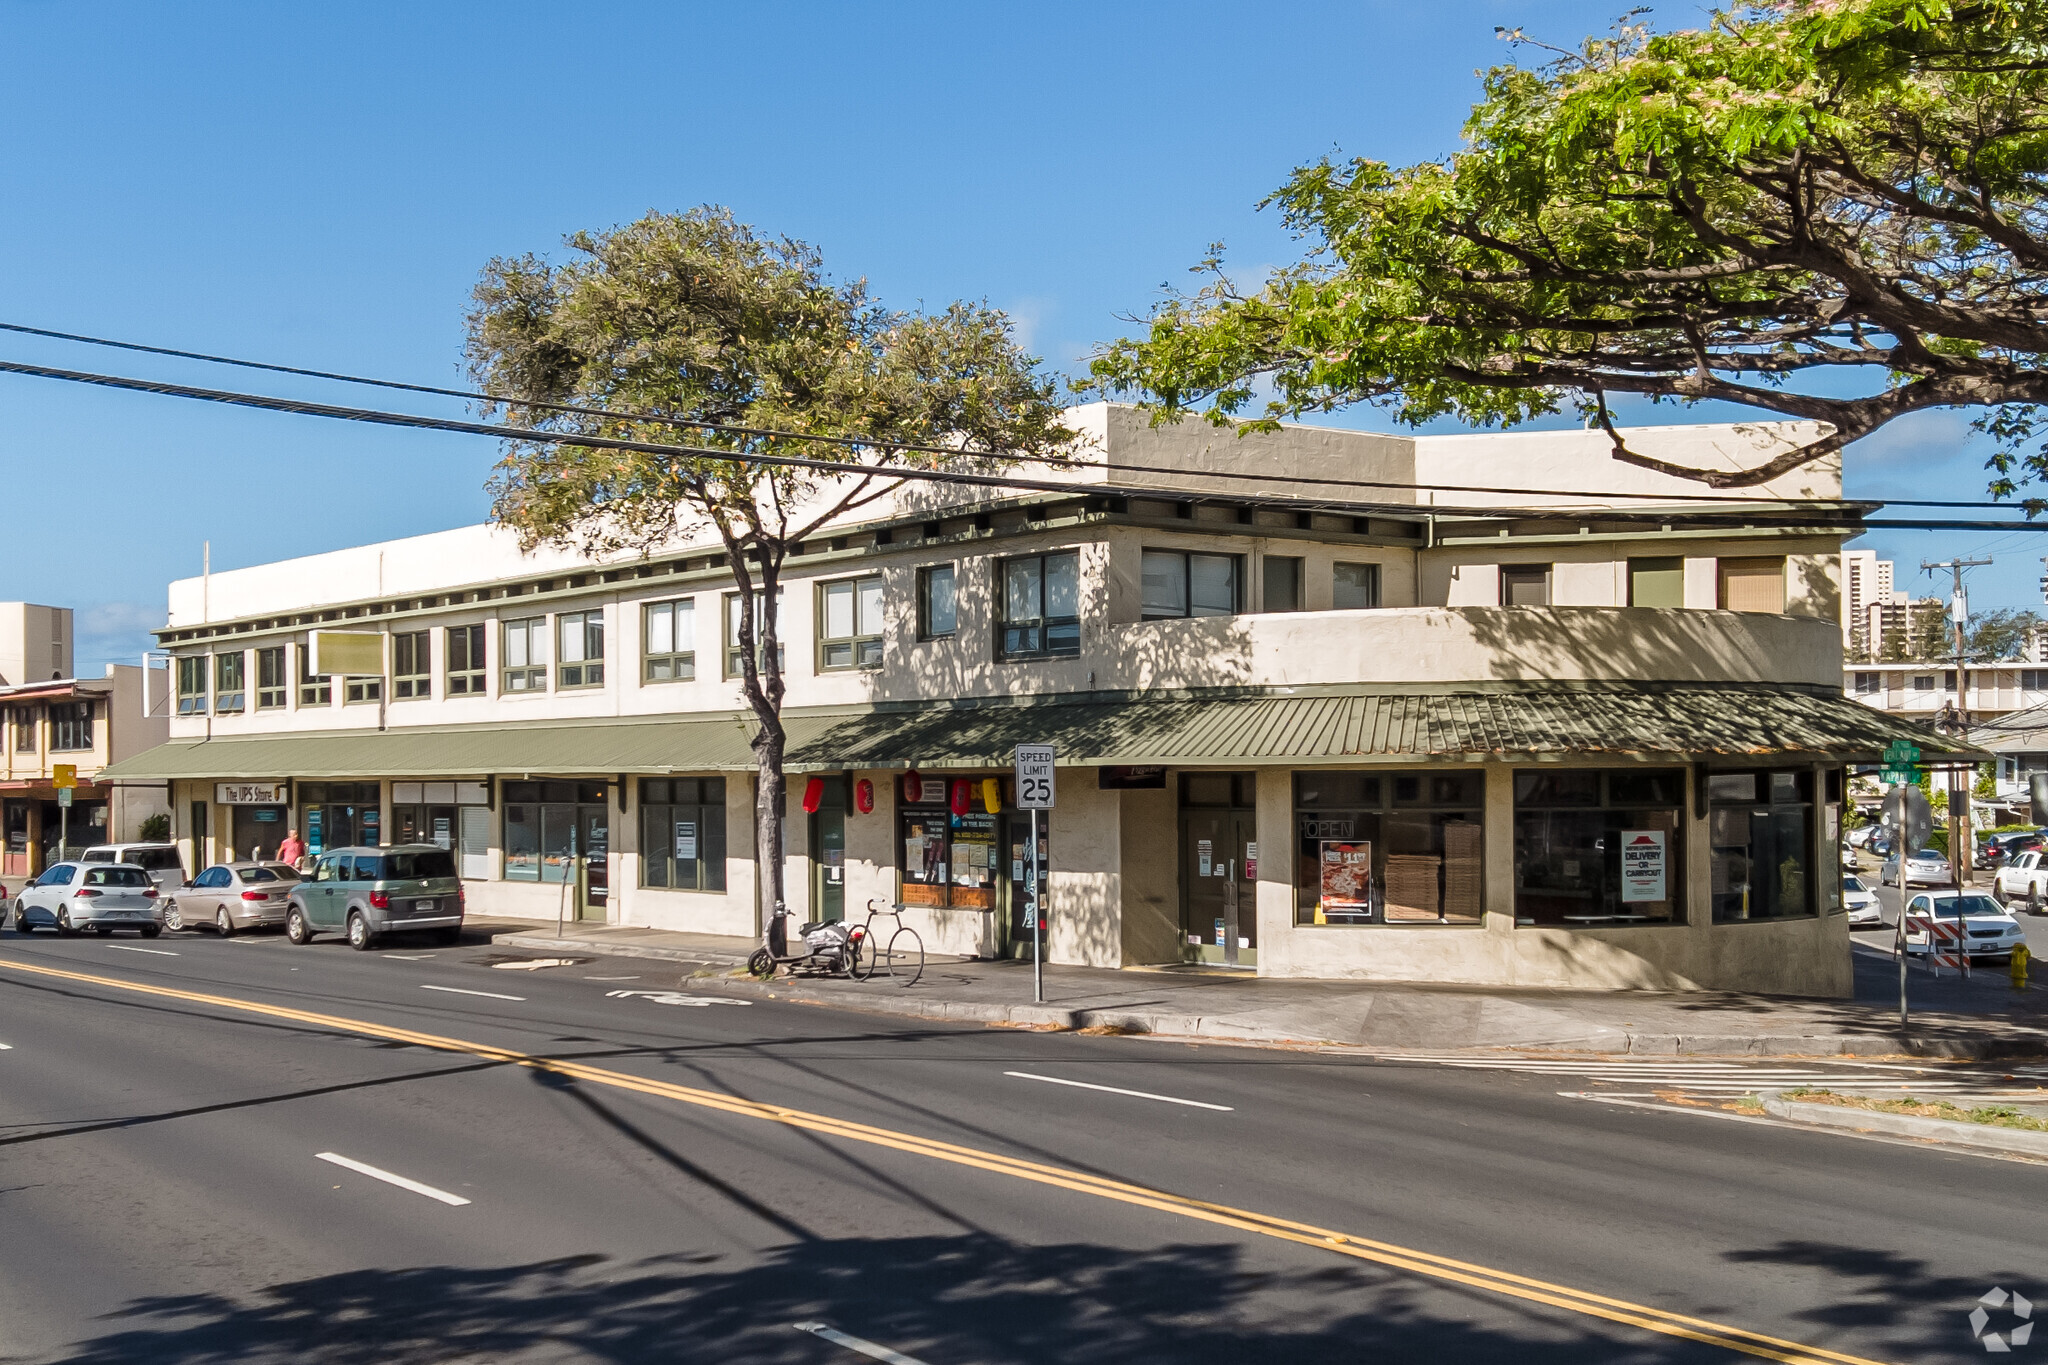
1510	721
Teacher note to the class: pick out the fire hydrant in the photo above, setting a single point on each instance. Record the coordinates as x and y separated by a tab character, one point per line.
2020	958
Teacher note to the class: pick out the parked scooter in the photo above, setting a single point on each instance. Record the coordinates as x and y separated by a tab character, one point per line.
824	949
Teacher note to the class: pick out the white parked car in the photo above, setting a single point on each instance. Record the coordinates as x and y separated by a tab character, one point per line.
164	864
1988	930
1861	903
2023	873
102	897
1925	868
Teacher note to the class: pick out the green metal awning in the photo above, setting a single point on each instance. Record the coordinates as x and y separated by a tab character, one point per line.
611	745
1545	720
1692	721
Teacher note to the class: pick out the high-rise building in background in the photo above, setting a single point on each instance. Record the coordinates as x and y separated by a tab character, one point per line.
1866	582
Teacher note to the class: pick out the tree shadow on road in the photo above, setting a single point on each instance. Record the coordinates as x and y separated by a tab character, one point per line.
943	1300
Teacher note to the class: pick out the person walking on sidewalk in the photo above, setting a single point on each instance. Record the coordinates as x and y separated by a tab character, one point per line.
291	850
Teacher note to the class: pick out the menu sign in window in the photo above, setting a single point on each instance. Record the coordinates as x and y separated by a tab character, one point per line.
1643	866
1346	876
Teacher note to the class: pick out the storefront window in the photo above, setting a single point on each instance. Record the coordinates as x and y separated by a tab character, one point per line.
682	833
1599	848
1761	838
340	814
549	825
927	872
972	858
1389	848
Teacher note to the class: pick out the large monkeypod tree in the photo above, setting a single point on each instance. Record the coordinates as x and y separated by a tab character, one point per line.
1826	209
693	329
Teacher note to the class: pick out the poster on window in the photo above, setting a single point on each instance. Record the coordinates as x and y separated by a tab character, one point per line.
686	841
1347	876
1642	866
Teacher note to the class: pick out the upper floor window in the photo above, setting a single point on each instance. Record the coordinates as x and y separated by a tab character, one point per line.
1756	584
526	655
1179	583
25	729
1525	585
1354	586
732	633
315	689
466	665
1923	682
70	725
1658	582
670	641
1283	583
1041	606
2034	679
850	623
581	661
228	682
412	665
270	682
192	685
356	691
1869	684
937	617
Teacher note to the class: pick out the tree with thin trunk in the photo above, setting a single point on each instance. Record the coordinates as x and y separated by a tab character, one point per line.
1822	209
693	329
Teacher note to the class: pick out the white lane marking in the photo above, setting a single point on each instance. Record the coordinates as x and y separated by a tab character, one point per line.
388	1178
534	964
675	998
131	948
457	990
6	1047
866	1348
611	978
1114	1090
402	957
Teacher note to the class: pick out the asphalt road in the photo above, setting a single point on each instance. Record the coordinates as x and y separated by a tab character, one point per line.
654	1180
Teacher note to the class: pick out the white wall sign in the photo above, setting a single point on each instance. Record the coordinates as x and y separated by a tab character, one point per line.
249	793
1034	777
686	841
1643	866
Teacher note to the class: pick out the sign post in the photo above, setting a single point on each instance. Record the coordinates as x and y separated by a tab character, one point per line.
63	776
1035	791
1909	820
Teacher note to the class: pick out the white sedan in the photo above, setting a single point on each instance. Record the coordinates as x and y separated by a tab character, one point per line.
2024	875
1861	903
1988	931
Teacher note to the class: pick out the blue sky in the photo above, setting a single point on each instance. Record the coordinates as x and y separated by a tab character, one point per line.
319	185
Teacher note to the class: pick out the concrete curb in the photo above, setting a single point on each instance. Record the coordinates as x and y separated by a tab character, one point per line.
2009	1141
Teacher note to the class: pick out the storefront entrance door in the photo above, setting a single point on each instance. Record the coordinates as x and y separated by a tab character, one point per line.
828	886
594	844
1219	917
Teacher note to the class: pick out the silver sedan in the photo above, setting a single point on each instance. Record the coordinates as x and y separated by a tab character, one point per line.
231	896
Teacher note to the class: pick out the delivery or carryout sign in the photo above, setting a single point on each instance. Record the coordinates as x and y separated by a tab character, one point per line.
1643	866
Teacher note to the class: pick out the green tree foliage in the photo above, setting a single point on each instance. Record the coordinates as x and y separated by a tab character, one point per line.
1846	191
2003	633
695	329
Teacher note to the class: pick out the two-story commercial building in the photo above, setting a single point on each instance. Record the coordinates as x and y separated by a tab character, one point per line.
1356	717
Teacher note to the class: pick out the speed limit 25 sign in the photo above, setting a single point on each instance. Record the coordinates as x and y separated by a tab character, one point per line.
1034	776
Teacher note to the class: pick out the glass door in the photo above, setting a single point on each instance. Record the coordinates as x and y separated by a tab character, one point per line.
593	845
1219	914
828	870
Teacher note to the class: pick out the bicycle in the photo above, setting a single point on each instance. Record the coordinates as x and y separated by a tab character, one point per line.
904	954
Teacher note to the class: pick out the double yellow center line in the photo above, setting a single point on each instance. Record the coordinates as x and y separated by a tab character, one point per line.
1423	1263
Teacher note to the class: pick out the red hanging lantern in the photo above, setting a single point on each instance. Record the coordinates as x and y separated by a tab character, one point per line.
814	795
963	796
864	796
913	788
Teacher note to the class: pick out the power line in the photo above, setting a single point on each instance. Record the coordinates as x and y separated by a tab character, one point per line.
770	433
1733	517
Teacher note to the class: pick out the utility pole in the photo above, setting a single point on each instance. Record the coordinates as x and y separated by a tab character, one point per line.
1962	847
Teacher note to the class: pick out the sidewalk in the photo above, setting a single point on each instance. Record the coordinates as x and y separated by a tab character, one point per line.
1982	1018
